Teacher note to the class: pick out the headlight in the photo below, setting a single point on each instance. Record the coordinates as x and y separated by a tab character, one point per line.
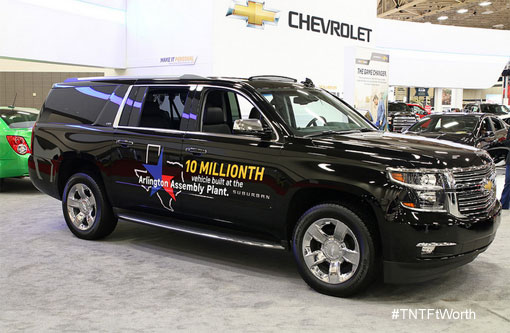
418	180
426	189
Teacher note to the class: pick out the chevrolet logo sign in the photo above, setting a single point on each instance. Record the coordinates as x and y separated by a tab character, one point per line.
253	12
489	185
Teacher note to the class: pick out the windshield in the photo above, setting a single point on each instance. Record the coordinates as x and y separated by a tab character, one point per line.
18	119
310	112
446	124
493	108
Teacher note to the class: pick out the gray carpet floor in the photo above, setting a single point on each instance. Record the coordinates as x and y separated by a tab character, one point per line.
147	279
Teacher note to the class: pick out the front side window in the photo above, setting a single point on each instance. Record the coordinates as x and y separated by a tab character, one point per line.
486	127
221	108
163	108
497	124
310	112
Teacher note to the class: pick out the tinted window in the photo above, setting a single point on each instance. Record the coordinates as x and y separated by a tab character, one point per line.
163	108
76	105
497	124
446	124
493	108
18	119
398	107
107	116
486	127
222	107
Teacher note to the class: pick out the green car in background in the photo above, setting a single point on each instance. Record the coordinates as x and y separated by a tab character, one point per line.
15	134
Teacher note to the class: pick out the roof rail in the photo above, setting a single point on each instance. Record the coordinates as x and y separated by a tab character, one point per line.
273	77
192	77
161	77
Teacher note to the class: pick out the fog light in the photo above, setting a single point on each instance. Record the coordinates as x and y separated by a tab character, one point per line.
428	248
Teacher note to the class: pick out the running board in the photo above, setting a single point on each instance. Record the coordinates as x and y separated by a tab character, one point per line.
167	224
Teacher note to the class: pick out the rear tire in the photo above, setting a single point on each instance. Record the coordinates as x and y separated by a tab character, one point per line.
334	250
86	209
1	184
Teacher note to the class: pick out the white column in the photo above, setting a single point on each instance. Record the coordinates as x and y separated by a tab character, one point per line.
457	97
438	100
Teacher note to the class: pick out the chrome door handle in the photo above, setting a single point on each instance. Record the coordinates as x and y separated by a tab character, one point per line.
124	143
196	151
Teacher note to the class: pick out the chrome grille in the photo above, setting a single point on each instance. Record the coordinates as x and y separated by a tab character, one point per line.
475	189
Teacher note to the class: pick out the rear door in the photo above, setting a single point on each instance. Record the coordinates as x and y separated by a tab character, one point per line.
147	155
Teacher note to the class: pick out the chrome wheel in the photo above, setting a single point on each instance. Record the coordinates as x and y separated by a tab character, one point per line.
331	251
81	206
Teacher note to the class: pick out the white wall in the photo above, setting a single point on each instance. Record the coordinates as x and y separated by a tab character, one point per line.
136	34
63	31
282	50
431	55
168	28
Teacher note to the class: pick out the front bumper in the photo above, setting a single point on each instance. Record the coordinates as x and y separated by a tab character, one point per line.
404	262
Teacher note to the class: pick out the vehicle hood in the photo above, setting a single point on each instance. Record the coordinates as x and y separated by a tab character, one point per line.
400	150
463	138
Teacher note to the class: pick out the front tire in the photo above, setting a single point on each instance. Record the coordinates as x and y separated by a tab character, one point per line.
86	209
334	250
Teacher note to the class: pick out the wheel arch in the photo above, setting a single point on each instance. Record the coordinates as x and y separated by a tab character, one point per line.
74	163
361	202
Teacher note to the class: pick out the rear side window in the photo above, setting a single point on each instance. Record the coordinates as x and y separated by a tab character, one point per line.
164	108
76	105
107	116
18	119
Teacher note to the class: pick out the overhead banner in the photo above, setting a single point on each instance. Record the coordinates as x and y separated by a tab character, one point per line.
371	84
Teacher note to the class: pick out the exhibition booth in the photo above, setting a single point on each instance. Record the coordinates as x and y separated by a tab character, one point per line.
227	165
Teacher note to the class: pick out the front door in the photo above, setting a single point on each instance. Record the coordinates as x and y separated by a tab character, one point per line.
232	179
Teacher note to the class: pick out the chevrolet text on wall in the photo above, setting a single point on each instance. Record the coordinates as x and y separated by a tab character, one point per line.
256	16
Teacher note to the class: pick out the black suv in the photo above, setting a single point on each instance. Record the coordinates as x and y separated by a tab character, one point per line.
400	116
264	161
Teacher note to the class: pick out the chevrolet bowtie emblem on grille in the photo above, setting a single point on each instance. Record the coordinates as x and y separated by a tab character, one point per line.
253	12
488	186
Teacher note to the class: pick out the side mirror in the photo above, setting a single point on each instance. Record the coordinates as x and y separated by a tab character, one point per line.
251	127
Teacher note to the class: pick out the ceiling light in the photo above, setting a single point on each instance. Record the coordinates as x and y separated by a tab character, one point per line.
442	18
487	12
485	3
462	11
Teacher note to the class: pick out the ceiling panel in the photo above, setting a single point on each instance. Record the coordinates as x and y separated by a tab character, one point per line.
464	13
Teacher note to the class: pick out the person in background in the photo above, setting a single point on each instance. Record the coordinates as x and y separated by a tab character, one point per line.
381	115
375	101
505	196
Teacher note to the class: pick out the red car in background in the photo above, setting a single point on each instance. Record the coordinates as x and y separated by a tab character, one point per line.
419	110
